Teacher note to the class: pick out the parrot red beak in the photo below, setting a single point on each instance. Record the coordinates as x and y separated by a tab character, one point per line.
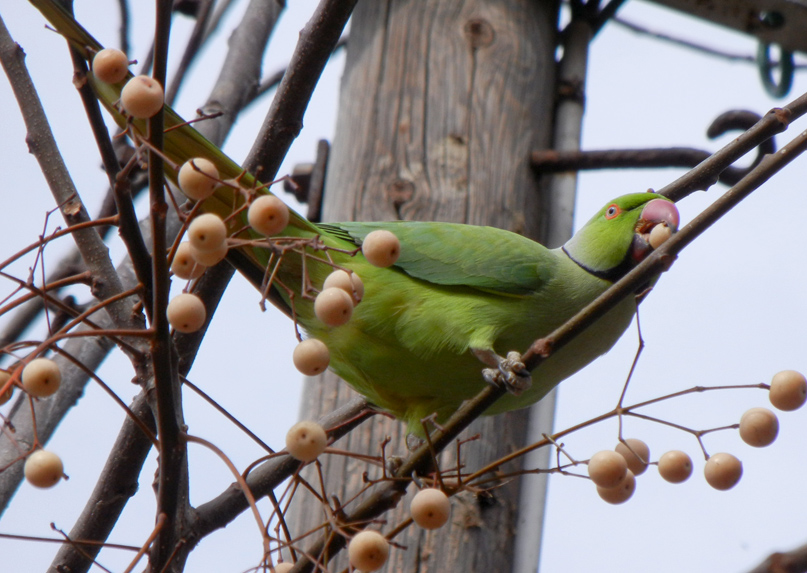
658	222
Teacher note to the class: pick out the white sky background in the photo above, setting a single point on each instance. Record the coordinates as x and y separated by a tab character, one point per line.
731	311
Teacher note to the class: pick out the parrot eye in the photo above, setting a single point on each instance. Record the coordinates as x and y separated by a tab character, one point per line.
612	211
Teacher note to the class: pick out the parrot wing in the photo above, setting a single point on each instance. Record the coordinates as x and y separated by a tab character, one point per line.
483	258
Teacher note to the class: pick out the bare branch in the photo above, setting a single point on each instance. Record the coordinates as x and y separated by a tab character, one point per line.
202	16
241	72
285	117
172	489
43	146
707	172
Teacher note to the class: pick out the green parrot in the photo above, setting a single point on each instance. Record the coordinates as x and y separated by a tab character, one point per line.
457	298
459	294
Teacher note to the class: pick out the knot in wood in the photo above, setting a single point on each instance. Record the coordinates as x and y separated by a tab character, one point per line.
71	208
97	288
782	115
479	33
543	347
400	191
79	79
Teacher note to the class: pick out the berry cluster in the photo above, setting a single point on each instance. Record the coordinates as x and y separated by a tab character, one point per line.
614	472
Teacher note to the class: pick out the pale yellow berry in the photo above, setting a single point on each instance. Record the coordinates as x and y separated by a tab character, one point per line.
621	493
43	469
759	427
311	357
333	306
348	282
209	258
186	312
268	215
607	469
723	471
638	465
368	551
184	266
659	234
788	390
381	248
198	178
675	466
110	66
142	97
5	396
284	567
207	232
306	441
430	508
41	377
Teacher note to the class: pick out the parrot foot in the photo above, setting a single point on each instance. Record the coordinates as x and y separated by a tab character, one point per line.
509	372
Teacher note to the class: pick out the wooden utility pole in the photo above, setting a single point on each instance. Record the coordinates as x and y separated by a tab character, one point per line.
440	105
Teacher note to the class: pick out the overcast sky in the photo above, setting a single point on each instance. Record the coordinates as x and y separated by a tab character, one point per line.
732	310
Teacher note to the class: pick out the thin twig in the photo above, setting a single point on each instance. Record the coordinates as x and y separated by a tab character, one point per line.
773	122
204	9
221	510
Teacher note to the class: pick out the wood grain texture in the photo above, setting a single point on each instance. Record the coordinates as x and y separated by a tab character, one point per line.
441	103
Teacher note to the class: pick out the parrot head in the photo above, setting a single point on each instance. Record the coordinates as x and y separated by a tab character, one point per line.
622	234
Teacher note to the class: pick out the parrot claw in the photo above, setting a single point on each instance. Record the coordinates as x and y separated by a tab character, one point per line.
510	372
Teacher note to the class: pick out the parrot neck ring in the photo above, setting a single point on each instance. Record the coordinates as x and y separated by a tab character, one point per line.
657	223
614	273
648	235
